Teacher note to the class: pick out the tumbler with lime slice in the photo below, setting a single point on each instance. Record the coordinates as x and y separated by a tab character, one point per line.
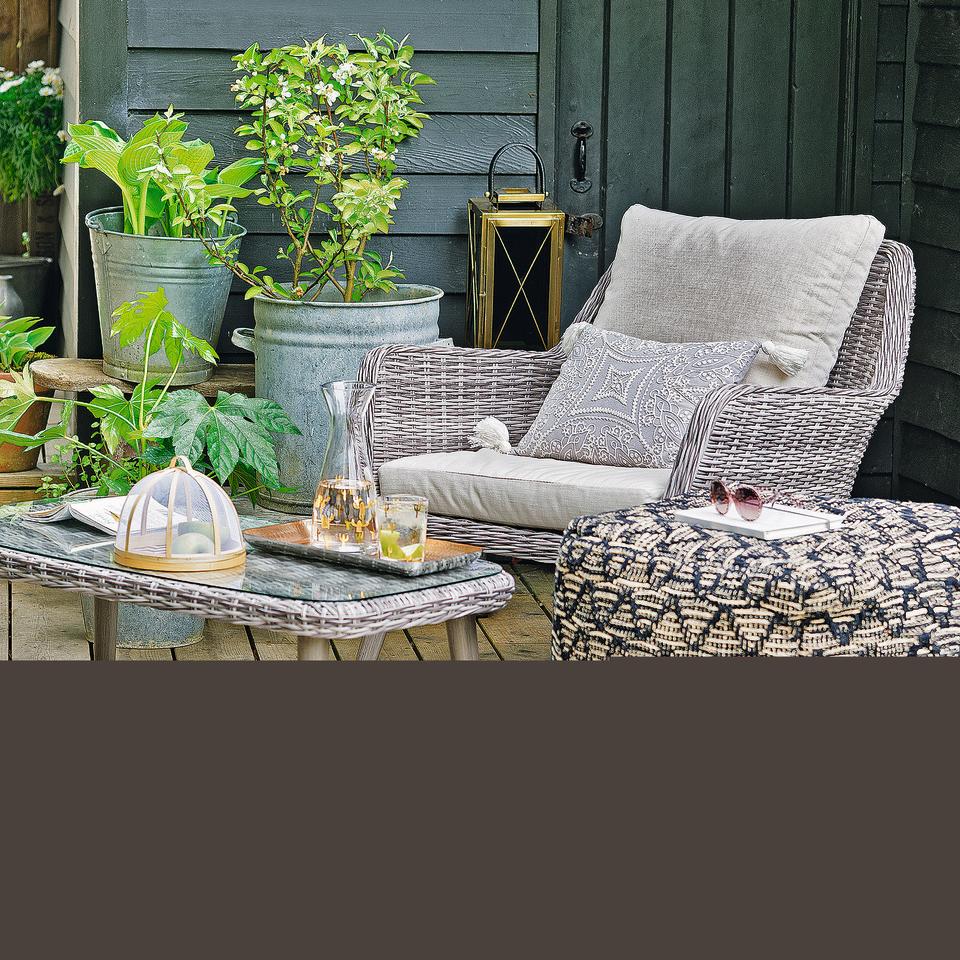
402	526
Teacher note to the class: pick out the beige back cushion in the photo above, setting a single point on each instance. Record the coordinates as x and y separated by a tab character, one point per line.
795	283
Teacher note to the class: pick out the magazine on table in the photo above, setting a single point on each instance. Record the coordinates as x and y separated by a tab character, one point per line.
102	513
776	521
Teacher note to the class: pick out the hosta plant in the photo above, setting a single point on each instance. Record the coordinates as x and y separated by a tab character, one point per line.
31	115
20	341
230	439
144	167
325	123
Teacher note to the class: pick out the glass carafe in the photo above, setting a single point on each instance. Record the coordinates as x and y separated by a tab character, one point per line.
344	509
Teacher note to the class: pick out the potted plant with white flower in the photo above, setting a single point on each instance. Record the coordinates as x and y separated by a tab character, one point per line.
31	144
325	122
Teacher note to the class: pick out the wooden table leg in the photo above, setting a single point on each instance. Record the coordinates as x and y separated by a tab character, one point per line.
104	629
314	648
370	646
462	635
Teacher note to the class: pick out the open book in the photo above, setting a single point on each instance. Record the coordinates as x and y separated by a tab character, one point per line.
102	513
774	523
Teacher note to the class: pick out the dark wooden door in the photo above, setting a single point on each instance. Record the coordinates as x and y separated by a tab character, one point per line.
740	108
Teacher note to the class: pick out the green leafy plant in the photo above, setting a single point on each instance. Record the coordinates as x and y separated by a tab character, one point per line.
326	123
135	435
146	166
31	115
20	340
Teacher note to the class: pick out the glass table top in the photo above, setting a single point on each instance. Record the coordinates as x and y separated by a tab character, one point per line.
263	573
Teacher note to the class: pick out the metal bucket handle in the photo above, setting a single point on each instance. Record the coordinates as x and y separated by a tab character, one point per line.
243	337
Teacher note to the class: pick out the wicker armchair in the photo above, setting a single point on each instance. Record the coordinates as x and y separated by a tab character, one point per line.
429	399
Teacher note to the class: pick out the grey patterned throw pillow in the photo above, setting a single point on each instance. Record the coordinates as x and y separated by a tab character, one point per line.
624	402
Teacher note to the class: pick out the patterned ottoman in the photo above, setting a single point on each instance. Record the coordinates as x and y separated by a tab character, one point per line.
638	583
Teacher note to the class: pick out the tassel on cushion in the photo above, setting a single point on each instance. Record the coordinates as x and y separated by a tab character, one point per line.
491	434
787	359
570	336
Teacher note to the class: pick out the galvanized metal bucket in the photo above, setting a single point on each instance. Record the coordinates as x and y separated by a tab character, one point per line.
126	265
146	628
301	346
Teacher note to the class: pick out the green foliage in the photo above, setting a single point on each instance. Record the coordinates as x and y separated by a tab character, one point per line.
232	433
31	115
19	339
138	434
326	124
158	171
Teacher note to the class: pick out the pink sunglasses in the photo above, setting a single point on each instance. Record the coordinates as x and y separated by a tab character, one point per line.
748	500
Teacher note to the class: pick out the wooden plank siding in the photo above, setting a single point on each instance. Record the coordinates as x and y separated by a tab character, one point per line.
739	108
485	59
928	411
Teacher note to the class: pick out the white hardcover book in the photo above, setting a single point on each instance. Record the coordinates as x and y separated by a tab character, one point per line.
774	523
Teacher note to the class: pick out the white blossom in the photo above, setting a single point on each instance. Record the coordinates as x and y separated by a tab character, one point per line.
47	92
34	65
10	84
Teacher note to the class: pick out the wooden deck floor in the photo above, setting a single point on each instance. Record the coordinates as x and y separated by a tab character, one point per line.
43	624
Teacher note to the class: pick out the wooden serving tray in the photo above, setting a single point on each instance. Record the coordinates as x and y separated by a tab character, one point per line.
294	540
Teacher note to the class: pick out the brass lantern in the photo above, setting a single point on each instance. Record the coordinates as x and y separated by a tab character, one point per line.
515	264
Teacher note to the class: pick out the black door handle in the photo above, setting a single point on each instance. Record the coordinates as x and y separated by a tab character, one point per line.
583	132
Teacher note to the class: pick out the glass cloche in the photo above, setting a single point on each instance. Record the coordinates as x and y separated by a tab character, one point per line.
179	519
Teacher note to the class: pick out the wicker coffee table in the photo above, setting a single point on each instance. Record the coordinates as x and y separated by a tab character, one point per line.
318	602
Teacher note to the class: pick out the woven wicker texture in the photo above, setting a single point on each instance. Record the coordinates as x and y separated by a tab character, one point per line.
329	619
639	583
810	440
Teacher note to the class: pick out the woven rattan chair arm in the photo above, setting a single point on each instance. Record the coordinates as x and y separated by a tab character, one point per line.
808	440
429	399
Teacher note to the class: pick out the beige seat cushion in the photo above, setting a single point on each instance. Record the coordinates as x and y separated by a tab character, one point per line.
520	491
793	283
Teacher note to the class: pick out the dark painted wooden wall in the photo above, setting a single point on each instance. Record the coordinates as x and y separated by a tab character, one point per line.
483	56
741	108
928	412
750	108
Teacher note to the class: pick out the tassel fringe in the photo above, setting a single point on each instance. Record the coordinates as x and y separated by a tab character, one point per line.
491	434
787	359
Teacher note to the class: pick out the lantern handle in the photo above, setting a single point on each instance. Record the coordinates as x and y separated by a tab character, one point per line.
184	462
523	146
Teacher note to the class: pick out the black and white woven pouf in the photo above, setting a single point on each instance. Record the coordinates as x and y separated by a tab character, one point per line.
639	583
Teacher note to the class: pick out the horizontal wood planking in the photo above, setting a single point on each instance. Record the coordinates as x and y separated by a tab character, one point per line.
891	33
939	38
935	341
504	25
888	153
930	459
449	143
937	157
440	260
936	216
430	204
466	82
937	98
889	102
877	459
937	272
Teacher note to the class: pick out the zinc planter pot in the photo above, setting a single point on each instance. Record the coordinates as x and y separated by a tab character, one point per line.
126	265
144	628
301	346
30	278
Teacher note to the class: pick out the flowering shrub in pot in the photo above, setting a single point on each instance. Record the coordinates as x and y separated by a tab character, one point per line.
325	122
